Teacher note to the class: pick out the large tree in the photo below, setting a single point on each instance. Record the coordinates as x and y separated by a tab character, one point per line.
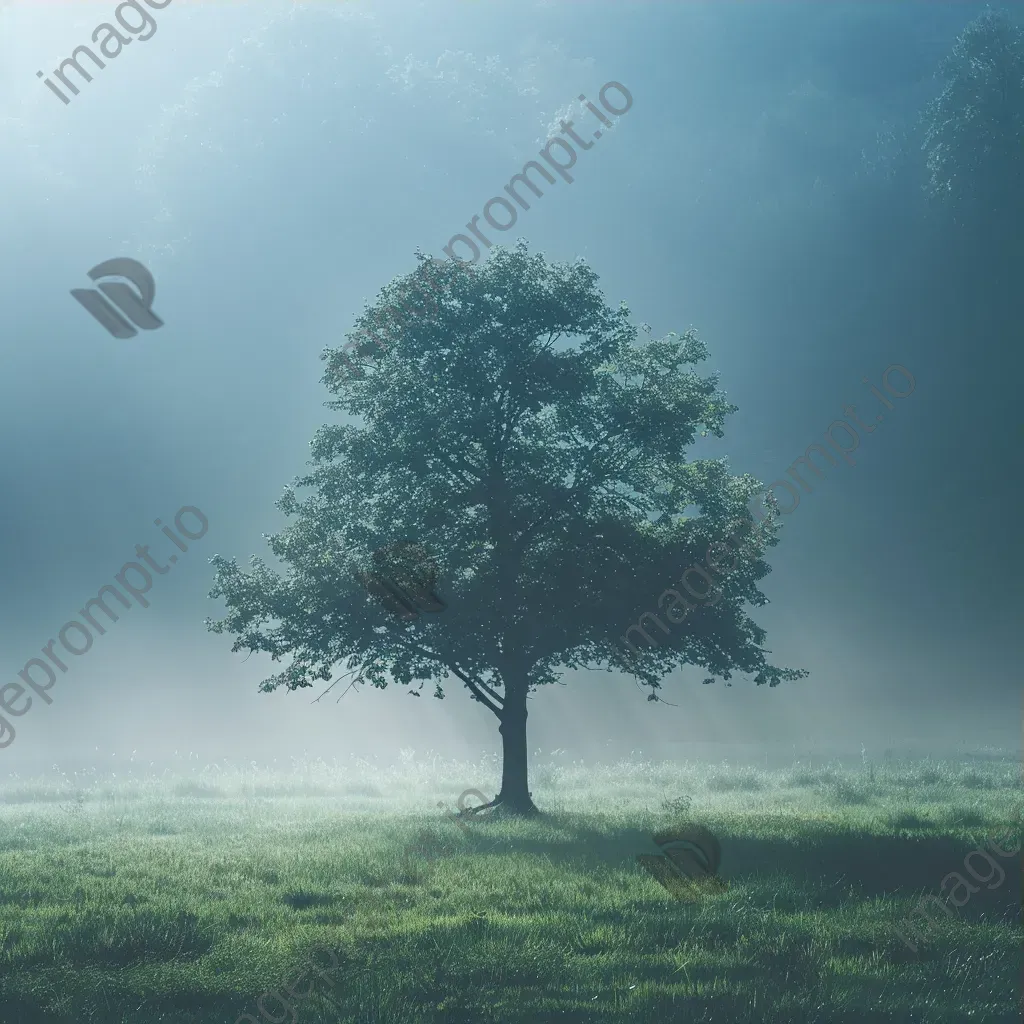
517	432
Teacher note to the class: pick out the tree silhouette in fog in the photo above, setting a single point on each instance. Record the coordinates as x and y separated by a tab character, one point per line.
974	130
518	432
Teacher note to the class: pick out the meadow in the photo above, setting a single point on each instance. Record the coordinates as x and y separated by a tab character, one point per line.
185	895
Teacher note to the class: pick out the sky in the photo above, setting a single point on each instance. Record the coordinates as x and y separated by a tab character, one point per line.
274	165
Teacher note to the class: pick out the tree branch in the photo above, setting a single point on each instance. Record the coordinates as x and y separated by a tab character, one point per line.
359	679
474	687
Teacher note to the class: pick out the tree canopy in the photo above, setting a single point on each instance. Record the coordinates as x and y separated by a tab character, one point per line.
974	130
519	432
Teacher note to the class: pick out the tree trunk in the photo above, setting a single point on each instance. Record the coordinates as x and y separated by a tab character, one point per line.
515	792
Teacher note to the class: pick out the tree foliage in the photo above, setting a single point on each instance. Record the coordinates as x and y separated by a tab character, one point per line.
518	432
974	130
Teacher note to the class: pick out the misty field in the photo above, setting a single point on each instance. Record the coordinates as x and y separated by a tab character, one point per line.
132	899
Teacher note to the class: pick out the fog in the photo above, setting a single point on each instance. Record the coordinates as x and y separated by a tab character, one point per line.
275	165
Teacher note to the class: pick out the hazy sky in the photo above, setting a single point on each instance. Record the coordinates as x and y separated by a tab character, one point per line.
274	165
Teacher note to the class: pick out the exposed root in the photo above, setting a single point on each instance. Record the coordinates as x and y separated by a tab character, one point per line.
501	807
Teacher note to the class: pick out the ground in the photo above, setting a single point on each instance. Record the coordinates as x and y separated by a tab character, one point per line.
184	898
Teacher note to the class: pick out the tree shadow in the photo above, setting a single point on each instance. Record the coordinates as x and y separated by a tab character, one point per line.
870	866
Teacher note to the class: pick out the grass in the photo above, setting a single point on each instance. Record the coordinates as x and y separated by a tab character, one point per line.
184	898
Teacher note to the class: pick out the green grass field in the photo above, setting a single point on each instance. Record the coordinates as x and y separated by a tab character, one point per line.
185	898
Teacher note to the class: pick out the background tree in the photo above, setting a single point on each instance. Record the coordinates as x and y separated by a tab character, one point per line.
516	432
974	130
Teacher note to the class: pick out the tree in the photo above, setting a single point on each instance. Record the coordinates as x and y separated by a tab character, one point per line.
974	130
517	433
